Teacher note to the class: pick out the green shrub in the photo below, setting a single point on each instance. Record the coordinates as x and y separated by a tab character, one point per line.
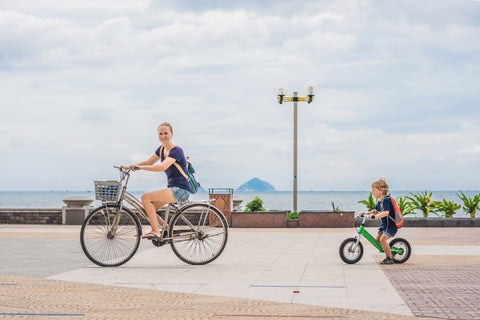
255	205
293	216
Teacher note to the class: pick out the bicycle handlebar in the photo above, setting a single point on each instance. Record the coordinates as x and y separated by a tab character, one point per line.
127	170
365	216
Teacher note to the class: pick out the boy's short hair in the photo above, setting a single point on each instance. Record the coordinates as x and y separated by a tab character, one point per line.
381	184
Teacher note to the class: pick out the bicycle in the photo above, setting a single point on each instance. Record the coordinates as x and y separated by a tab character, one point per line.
111	234
351	249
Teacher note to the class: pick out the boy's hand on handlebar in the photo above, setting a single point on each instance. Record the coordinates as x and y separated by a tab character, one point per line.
370	215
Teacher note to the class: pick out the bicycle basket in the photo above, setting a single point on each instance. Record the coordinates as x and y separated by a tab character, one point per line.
107	190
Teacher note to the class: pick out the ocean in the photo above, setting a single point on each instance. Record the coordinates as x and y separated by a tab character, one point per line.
272	200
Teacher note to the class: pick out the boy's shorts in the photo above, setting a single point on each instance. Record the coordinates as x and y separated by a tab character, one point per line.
389	231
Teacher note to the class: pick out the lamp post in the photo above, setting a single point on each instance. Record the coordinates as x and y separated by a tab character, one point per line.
281	91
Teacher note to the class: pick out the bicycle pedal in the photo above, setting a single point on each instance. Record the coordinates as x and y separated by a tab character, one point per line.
157	243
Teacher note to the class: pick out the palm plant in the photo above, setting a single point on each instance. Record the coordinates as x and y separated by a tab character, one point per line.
404	205
421	201
470	205
448	207
371	202
335	208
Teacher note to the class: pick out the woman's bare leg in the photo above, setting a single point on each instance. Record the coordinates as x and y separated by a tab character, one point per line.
154	200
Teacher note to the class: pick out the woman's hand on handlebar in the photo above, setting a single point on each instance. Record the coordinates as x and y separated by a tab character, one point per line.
124	168
132	167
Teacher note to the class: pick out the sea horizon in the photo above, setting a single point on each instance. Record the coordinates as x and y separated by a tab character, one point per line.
272	200
235	190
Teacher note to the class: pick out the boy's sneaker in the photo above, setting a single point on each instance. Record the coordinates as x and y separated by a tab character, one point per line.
387	261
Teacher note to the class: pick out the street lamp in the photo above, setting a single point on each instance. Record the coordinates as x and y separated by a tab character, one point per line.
281	90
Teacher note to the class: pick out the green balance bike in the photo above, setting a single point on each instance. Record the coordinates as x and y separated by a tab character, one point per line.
351	249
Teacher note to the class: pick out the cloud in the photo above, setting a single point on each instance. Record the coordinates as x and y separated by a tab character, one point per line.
473	149
88	83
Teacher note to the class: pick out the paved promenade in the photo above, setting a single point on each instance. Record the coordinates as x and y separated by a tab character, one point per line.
262	274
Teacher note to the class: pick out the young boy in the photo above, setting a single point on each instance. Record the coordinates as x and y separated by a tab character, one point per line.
383	209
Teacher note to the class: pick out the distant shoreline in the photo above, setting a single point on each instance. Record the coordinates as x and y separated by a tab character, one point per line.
272	200
247	191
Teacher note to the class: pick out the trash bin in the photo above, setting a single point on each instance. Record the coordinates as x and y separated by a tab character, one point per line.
222	199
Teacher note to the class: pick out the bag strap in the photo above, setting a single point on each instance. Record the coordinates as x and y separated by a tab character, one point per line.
160	153
389	196
175	163
181	170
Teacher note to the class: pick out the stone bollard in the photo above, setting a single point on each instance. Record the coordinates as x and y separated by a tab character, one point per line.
76	209
237	204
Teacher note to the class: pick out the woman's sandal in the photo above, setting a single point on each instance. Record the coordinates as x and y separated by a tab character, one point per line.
150	236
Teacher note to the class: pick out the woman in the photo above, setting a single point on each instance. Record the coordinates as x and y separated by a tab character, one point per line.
177	190
383	210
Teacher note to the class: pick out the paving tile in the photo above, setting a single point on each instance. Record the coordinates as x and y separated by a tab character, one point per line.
446	287
263	274
32	298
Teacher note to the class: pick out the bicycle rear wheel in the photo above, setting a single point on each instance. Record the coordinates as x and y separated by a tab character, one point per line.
403	246
110	236
199	233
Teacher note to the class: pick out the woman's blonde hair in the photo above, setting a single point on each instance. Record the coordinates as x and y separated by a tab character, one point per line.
381	184
166	124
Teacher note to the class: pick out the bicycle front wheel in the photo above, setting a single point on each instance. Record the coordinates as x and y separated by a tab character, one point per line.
110	236
199	233
351	250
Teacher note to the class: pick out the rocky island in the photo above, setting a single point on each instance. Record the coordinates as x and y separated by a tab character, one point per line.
256	184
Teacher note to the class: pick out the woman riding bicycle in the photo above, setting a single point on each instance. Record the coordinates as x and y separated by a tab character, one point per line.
177	190
382	210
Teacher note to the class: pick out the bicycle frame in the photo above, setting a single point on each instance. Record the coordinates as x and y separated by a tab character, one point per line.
111	234
362	231
134	202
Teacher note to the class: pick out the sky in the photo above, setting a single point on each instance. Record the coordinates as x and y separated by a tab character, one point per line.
85	84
